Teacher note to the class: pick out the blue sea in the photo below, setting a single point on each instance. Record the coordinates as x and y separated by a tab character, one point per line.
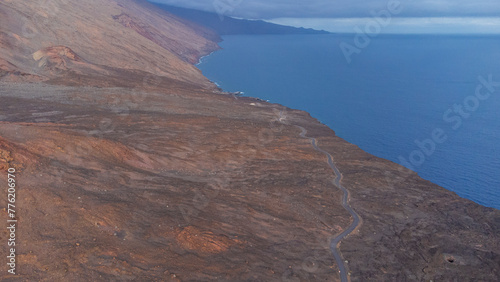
431	103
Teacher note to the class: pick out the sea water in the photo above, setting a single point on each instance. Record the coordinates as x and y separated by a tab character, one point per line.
409	99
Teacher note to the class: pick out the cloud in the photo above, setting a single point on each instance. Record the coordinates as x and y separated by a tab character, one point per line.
266	9
408	25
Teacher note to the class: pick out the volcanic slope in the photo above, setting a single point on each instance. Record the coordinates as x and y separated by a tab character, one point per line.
133	166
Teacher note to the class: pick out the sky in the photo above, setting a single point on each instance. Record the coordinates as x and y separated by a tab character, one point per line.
412	16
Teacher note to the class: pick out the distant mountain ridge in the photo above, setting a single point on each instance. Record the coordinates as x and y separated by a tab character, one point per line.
225	25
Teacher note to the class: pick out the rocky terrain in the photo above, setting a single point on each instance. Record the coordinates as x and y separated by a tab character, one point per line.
132	166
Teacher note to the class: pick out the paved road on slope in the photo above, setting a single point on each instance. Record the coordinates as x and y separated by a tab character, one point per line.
334	244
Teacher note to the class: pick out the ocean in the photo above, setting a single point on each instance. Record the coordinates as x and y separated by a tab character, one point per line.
431	103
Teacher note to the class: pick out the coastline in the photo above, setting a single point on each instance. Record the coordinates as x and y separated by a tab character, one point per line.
200	59
443	178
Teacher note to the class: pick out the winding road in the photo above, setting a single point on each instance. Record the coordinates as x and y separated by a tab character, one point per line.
334	244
